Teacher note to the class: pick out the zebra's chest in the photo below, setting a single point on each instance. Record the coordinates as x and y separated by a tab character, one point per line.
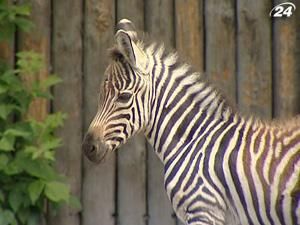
192	203
176	194
191	194
186	190
178	180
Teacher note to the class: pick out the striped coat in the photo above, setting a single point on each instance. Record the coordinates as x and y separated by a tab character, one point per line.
219	166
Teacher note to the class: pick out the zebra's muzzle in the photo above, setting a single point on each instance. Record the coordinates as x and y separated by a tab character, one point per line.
94	150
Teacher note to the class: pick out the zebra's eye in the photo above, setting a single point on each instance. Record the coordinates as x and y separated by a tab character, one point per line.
124	97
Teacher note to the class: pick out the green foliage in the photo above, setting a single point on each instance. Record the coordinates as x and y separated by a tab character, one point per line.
28	180
13	17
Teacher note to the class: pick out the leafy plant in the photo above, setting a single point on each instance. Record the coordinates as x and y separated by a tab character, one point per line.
12	17
28	180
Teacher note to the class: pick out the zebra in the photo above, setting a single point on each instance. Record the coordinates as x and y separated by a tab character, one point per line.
220	167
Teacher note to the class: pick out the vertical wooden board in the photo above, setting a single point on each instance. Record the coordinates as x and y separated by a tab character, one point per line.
67	63
38	40
159	21
132	10
132	157
220	45
189	31
132	182
7	52
98	190
159	24
286	64
254	58
159	206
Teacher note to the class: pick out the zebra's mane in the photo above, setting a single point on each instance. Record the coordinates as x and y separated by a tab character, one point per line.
167	51
170	56
286	124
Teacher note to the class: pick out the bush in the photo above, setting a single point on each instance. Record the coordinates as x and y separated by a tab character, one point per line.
28	179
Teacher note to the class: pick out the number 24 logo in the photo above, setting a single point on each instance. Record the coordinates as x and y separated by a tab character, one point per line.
283	9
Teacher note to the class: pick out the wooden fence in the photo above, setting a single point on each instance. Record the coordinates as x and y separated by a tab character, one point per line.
253	58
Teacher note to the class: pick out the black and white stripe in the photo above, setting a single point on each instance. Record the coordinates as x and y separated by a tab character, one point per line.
220	168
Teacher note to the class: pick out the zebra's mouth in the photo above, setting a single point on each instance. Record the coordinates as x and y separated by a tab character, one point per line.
95	151
100	157
97	154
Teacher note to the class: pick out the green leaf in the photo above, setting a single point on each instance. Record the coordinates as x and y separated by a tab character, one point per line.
37	168
2	198
50	81
5	110
7	31
17	132
9	78
24	24
3	89
23	214
35	189
12	168
3	161
15	199
51	144
55	120
23	9
30	149
33	218
29	62
7	218
49	155
57	191
7	143
75	203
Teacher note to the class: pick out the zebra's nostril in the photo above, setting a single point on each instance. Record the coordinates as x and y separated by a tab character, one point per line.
93	148
88	145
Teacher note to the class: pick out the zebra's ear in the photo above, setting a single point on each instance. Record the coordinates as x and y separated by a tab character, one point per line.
127	26
133	54
125	46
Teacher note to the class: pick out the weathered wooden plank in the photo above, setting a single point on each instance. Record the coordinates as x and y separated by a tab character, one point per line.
7	52
286	65
67	63
159	206
220	45
159	21
132	10
132	157
159	24
189	31
132	182
38	40
254	58
98	188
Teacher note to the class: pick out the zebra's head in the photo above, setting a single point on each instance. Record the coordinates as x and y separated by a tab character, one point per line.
123	107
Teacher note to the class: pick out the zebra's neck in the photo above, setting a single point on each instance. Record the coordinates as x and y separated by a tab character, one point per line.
180	105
